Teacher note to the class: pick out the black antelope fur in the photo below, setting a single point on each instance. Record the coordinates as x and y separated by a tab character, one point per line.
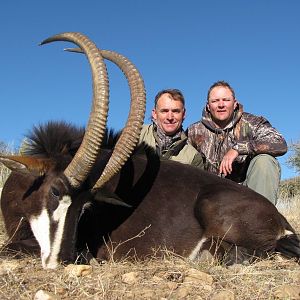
150	204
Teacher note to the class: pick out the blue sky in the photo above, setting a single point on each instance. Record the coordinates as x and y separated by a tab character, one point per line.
254	45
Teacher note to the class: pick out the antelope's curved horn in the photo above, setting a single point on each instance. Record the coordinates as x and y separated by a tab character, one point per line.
131	132
80	166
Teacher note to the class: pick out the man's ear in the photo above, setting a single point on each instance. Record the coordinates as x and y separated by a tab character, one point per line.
207	107
235	104
154	115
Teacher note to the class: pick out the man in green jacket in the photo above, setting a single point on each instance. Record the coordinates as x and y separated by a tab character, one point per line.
238	145
166	134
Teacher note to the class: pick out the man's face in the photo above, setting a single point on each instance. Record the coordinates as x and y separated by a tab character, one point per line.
168	114
221	105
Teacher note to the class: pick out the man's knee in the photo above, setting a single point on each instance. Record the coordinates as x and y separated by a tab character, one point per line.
265	165
263	176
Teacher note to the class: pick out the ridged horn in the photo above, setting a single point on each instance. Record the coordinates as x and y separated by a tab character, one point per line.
131	132
85	157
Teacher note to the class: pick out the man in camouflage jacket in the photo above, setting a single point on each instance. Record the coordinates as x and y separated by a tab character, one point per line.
238	145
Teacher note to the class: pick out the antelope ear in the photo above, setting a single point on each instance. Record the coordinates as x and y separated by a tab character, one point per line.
103	195
26	164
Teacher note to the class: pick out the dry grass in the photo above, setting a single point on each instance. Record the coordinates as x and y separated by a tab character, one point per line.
167	278
153	279
291	210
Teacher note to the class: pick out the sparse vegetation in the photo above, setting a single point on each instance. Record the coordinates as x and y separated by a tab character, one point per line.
294	159
171	277
4	172
289	188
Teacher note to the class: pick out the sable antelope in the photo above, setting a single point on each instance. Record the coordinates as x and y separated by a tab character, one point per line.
142	205
46	212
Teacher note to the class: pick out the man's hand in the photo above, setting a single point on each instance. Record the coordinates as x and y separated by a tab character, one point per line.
226	163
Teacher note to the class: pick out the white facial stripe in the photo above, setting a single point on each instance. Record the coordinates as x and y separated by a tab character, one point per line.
197	249
40	226
59	215
62	208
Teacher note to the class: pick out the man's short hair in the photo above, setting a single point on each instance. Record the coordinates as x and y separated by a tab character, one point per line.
174	93
223	84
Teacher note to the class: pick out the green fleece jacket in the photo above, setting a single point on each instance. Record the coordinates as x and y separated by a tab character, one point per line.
179	151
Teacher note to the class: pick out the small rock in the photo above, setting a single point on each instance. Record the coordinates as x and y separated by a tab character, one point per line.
60	290
172	285
182	292
44	295
130	278
223	295
196	275
144	295
8	266
157	279
78	270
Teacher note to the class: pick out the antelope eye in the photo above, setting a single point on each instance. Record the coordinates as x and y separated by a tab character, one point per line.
54	192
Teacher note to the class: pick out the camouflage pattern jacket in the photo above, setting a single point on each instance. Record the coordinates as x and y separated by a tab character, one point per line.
248	134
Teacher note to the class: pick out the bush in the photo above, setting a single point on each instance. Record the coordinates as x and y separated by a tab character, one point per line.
289	188
4	172
294	159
